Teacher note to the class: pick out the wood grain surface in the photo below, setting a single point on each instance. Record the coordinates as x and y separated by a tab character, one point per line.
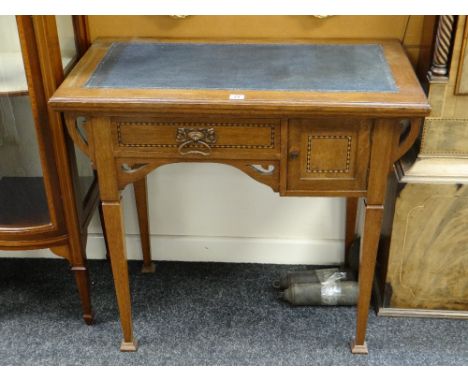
300	143
428	262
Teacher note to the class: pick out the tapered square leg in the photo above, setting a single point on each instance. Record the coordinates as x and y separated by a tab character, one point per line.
369	245
78	267
82	282
141	199
113	224
384	139
115	232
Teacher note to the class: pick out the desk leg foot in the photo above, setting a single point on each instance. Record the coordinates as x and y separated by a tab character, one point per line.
359	349
151	268
88	319
82	282
129	346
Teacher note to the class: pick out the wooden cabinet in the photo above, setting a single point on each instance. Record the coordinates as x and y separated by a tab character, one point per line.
423	264
47	189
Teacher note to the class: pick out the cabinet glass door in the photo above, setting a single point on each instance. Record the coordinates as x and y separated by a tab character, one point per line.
69	53
67	42
23	200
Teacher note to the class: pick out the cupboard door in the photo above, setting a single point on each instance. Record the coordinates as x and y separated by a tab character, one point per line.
328	154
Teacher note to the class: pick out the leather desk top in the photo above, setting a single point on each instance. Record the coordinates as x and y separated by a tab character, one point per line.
277	79
285	67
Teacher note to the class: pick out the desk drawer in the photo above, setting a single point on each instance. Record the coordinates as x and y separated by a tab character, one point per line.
328	154
205	138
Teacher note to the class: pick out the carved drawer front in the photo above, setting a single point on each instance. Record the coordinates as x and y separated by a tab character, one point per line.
328	154
204	139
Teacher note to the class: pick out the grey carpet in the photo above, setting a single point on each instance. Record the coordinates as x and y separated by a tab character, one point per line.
200	314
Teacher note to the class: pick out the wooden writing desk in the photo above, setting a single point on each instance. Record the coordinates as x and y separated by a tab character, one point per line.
305	119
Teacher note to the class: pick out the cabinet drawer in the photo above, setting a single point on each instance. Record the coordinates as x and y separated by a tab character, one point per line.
328	154
252	138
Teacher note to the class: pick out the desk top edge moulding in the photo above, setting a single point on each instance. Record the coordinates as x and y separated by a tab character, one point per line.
400	91
307	119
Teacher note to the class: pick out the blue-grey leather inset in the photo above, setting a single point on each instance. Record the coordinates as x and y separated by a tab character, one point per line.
299	67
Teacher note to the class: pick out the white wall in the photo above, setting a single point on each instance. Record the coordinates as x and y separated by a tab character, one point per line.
9	39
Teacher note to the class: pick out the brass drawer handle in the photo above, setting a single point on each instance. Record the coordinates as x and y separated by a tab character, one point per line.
202	137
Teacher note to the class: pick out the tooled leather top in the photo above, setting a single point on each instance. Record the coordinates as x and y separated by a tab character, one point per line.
283	67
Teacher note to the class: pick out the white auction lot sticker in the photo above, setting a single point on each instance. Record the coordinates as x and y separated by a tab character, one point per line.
236	96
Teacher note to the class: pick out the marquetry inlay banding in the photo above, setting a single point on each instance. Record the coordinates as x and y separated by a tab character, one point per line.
214	125
309	168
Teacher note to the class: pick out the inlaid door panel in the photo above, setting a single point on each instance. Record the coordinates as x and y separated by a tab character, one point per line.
328	154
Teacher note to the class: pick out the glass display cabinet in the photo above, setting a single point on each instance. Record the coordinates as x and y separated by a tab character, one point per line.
48	189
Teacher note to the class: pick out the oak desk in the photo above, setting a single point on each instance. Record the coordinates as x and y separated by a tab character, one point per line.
305	119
